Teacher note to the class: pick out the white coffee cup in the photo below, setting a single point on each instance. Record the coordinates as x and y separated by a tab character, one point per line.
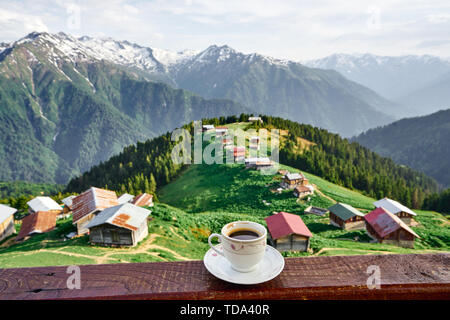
243	255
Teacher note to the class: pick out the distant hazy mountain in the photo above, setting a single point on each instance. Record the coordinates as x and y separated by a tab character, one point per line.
65	107
408	80
423	143
432	96
283	88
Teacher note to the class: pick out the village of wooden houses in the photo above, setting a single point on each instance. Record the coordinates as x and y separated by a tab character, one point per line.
121	221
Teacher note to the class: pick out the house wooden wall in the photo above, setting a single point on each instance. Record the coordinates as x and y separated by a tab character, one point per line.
7	228
107	234
291	184
400	237
405	217
82	223
30	211
292	242
353	223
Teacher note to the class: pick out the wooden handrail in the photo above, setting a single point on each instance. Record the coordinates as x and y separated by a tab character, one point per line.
411	276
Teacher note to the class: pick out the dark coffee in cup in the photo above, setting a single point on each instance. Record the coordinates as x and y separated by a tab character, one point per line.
244	234
243	244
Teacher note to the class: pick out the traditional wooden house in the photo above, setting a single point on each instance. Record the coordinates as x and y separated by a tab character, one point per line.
254	143
6	221
38	222
255	119
385	227
303	191
90	203
258	163
67	204
143	200
221	131
43	204
292	180
288	232
238	154
396	208
122	225
207	127
126	197
227	142
346	217
316	210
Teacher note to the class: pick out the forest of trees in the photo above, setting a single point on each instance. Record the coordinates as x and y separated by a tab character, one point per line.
439	202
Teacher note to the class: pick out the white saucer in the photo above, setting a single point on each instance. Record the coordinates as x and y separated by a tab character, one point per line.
270	266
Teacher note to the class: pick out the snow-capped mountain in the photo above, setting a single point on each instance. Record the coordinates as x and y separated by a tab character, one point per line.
66	104
393	77
67	47
260	83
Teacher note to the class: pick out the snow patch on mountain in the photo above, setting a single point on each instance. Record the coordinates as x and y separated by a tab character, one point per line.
169	58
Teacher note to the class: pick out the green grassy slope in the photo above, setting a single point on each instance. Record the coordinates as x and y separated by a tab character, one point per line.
201	201
231	188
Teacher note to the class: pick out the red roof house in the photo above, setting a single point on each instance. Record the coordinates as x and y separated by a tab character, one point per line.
385	227
38	222
288	232
144	199
89	203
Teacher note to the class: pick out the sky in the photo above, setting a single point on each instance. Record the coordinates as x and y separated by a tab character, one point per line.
285	29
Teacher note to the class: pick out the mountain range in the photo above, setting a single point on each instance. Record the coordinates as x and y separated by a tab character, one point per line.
418	84
422	143
68	103
63	109
263	84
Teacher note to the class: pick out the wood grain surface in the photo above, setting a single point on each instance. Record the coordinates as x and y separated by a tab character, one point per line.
412	276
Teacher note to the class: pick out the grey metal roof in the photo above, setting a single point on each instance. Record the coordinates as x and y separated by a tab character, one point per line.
126	197
43	204
393	206
125	215
68	201
294	176
344	211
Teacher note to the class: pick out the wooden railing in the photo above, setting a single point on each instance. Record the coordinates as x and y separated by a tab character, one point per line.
412	276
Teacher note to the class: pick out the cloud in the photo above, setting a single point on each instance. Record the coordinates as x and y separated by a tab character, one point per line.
285	28
433	43
14	24
438	18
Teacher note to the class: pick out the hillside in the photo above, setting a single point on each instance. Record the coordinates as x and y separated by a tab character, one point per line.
329	156
423	143
207	197
20	188
62	111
